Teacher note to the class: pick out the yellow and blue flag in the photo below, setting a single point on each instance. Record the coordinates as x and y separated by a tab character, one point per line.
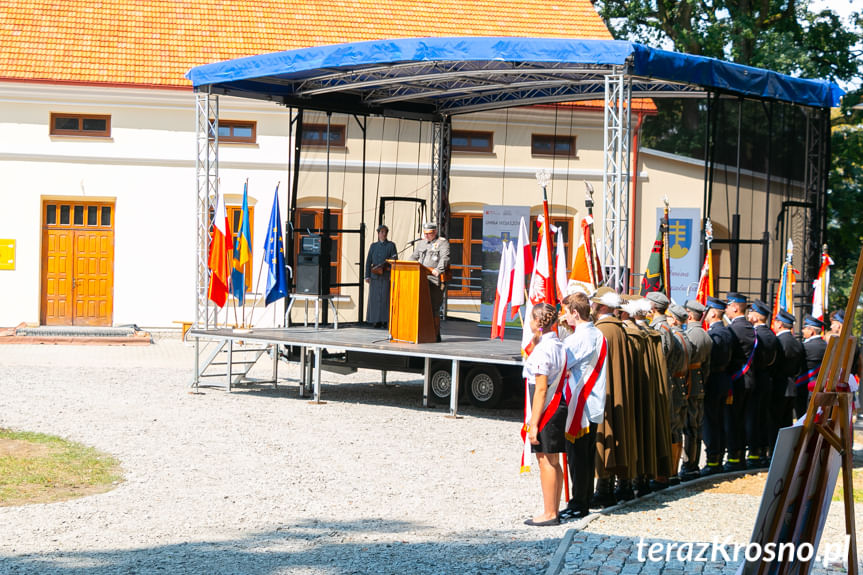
274	253
242	251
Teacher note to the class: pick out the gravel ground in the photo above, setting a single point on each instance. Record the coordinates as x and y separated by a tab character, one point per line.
261	481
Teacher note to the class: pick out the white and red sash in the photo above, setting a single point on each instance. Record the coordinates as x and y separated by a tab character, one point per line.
547	414
577	422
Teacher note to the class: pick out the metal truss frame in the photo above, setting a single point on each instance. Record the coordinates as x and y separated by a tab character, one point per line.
207	178
815	186
615	179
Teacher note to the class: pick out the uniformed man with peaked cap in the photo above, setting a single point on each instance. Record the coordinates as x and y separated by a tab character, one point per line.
672	350
718	386
699	368
433	252
742	379
814	347
756	414
789	362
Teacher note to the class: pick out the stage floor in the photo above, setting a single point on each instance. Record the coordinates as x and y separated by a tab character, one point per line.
461	340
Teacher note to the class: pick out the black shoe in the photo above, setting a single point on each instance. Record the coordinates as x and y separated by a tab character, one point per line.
624	491
753	462
642	487
734	465
711	469
689	475
658	485
437	339
573	514
673	480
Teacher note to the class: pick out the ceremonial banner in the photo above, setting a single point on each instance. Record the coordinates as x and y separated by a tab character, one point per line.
684	245
499	223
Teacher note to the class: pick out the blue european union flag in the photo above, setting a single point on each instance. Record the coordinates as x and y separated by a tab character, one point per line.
274	252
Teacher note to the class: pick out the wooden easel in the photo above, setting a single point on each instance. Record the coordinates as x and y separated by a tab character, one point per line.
799	509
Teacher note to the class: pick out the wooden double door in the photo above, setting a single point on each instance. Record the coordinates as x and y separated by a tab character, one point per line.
77	263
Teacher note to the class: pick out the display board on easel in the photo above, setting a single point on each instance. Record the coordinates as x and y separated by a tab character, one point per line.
799	487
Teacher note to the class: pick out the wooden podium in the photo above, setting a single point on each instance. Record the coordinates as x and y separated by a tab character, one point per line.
411	317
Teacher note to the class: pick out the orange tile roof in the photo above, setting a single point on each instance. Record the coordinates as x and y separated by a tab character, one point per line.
154	42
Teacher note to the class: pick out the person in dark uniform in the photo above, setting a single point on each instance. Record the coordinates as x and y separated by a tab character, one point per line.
763	365
718	386
378	278
789	361
814	347
433	252
699	368
742	379
837	318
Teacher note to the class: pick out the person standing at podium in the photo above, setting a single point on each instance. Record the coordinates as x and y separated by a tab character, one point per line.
433	252
378	278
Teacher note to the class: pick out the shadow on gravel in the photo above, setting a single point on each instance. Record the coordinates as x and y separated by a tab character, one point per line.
401	393
312	548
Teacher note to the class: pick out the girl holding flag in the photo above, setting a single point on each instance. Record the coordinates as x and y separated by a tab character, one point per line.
545	373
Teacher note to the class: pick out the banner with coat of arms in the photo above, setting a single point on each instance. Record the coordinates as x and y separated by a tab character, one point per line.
684	247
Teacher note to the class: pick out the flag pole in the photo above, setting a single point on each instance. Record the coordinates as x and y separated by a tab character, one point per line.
588	203
542	178
666	256
260	269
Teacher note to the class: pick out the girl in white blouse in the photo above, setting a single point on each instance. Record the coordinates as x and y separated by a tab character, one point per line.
545	370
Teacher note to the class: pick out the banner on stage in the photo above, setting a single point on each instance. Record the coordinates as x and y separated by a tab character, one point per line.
684	246
499	224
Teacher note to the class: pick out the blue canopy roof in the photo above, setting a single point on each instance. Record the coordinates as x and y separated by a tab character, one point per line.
420	77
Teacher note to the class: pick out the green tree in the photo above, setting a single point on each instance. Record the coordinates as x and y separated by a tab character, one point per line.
845	191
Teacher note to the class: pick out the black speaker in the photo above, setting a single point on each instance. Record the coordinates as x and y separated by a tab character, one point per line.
308	270
308	275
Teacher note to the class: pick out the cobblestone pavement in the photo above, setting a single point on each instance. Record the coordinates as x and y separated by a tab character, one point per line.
683	530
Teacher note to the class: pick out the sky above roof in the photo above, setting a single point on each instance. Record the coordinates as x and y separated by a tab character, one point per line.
155	42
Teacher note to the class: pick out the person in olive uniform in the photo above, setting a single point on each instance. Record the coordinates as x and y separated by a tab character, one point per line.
789	362
378	278
718	386
672	350
699	368
763	365
742	379
677	317
433	252
814	347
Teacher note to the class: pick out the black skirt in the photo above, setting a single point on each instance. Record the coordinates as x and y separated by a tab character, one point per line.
551	437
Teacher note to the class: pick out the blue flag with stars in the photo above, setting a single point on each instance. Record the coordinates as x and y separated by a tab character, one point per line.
274	252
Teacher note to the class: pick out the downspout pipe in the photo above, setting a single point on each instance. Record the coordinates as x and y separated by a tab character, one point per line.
633	211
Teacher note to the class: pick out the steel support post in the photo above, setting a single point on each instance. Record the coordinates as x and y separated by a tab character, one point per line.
815	181
207	178
615	179
441	156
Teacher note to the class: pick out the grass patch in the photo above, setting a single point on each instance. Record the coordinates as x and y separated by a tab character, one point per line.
856	481
39	468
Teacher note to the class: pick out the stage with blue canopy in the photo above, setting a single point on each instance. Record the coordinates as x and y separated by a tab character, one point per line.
428	78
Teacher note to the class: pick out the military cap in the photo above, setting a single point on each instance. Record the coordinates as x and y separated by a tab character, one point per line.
759	306
838	315
735	297
659	299
783	316
695	306
678	312
429	226
606	296
811	321
715	303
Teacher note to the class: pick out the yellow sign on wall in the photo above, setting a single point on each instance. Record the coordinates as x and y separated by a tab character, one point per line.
7	254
